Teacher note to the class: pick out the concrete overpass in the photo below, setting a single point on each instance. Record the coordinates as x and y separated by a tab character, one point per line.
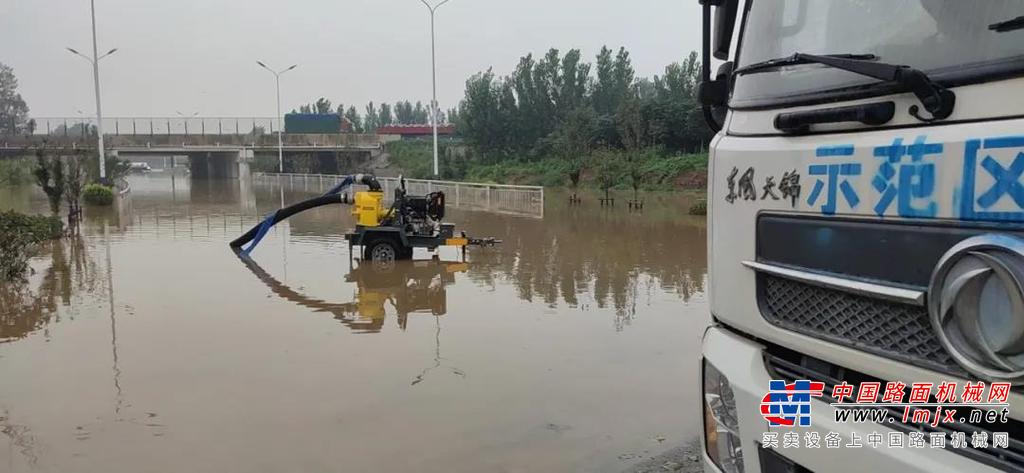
215	146
216	155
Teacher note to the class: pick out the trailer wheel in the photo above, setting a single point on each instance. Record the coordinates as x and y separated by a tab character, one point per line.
381	250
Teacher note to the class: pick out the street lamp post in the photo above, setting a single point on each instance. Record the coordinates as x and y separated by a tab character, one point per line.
280	127
433	70
95	60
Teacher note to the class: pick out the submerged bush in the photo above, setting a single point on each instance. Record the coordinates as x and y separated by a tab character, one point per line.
19	235
98	194
699	208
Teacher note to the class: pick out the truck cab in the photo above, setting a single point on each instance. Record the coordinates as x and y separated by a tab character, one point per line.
866	228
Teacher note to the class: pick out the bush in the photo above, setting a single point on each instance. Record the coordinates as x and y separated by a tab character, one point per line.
649	169
15	171
415	158
699	208
98	194
19	234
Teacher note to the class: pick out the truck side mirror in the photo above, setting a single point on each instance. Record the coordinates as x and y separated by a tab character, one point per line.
714	94
725	20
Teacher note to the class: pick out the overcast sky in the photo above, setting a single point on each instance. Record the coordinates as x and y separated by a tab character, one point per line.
200	55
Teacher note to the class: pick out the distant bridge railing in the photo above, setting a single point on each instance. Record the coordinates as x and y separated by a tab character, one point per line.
142	126
513	199
353	141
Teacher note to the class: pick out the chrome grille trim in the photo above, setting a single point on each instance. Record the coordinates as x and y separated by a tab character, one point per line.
863	288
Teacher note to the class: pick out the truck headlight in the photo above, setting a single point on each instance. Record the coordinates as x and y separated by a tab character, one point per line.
721	426
976	299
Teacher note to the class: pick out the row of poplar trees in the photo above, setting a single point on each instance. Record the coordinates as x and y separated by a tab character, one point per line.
562	106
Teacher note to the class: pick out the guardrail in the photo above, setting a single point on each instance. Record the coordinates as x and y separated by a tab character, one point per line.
503	198
146	126
293	142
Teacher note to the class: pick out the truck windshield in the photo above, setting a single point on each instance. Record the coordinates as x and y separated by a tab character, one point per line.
945	38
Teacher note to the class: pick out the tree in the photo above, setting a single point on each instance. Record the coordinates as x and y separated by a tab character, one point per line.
384	118
489	113
76	129
372	119
13	110
49	174
634	124
609	169
420	114
74	183
404	113
613	85
677	111
352	115
573	141
322	106
116	168
575	75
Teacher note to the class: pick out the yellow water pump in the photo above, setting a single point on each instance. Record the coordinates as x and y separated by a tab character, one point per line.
368	208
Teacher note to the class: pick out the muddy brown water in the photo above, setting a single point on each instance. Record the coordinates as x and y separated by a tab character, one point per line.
145	345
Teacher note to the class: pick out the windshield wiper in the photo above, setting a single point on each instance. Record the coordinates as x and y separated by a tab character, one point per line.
937	100
796	60
1012	24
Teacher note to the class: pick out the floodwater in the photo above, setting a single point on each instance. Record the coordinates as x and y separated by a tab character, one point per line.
144	344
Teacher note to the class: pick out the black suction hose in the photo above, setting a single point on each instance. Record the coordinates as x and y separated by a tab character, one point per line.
288	212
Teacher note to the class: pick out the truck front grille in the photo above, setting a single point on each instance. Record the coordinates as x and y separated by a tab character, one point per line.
885	328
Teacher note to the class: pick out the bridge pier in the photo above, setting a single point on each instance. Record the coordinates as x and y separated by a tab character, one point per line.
245	158
216	165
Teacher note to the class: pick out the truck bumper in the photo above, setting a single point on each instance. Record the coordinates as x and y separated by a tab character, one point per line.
741	361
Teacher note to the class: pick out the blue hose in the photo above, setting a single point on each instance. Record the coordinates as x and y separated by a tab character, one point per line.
264	228
341	185
333	196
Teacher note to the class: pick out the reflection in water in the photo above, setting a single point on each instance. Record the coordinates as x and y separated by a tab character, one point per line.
439	361
408	286
70	273
113	323
21	438
615	257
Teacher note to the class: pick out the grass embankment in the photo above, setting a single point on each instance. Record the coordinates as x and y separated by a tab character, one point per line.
657	171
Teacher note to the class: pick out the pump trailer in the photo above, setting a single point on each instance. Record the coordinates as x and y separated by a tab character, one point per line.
384	233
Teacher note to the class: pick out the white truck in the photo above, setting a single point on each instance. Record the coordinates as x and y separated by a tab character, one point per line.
866	235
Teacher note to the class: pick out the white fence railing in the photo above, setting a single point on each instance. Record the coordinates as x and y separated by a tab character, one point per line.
519	200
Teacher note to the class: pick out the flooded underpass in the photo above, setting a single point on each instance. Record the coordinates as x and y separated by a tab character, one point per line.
146	344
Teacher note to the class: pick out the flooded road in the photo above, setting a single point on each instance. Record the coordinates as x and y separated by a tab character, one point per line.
145	344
